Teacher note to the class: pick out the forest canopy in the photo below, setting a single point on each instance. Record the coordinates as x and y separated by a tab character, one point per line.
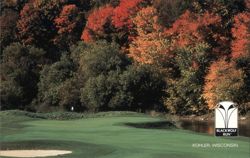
180	56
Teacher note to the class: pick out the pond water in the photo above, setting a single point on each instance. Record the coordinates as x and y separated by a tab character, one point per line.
208	126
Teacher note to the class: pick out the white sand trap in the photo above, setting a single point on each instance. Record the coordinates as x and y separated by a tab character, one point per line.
33	153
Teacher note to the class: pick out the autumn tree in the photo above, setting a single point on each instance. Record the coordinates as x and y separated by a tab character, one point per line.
113	22
122	20
191	28
30	24
224	82
240	31
8	20
150	46
226	9
182	53
35	25
98	24
241	48
123	13
68	24
12	4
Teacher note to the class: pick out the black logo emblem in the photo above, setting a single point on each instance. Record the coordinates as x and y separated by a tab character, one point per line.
226	119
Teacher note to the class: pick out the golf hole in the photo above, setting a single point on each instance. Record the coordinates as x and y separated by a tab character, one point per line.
33	153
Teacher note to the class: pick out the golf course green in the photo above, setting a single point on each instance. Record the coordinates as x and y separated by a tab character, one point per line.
114	135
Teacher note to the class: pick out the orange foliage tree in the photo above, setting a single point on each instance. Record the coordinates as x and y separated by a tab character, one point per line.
97	23
240	31
150	46
223	82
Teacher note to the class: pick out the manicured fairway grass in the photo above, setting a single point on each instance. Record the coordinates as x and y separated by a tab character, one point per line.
110	136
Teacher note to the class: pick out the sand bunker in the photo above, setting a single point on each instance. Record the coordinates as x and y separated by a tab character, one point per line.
33	153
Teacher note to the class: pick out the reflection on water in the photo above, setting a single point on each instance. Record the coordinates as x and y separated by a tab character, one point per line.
208	126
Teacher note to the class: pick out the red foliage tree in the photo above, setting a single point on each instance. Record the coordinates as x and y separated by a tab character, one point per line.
96	23
65	22
191	28
30	24
123	12
35	25
113	23
86	35
240	31
68	24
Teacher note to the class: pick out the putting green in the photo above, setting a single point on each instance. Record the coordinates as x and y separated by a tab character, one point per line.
109	137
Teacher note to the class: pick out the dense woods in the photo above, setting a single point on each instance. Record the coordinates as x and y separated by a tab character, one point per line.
177	56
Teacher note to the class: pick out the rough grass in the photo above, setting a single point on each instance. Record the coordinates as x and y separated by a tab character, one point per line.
110	135
66	115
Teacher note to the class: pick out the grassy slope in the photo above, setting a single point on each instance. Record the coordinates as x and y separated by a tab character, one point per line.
104	135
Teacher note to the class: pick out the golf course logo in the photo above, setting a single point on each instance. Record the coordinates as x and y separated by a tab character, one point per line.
226	119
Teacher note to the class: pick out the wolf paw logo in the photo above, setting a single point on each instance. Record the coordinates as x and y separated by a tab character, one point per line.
226	119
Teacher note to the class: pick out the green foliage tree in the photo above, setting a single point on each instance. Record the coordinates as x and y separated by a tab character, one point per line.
184	92
54	81
101	58
111	84
137	89
144	87
60	82
98	77
98	92
169	10
101	64
20	68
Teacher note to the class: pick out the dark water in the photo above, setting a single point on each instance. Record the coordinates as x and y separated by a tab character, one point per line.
208	126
